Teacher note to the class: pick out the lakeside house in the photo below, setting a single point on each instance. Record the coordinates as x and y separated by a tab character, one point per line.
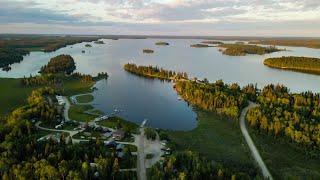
118	135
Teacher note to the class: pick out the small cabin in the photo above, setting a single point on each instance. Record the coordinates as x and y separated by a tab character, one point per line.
118	135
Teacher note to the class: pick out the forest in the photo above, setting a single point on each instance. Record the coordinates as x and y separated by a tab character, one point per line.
59	64
9	56
300	64
242	49
41	43
218	97
189	165
306	42
154	72
293	116
23	157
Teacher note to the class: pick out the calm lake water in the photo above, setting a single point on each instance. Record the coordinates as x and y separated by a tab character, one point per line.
141	98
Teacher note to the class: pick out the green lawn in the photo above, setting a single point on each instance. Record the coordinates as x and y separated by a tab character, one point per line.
284	159
116	122
85	98
76	112
216	138
12	95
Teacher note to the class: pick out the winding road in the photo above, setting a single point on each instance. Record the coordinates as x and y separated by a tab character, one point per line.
254	151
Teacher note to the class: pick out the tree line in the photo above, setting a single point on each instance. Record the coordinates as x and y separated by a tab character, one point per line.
218	96
154	72
291	115
301	64
244	49
189	165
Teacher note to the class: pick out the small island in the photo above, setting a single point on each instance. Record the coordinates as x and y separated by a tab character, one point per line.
162	43
200	46
99	42
59	64
148	51
154	72
88	45
212	42
242	49
300	64
83	51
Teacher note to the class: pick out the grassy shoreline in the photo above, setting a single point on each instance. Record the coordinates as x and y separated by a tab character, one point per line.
217	138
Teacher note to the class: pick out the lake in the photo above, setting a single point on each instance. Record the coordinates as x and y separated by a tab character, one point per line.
141	98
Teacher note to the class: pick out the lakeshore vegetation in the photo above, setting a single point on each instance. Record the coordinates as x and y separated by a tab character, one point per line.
154	72
300	64
243	49
310	43
162	43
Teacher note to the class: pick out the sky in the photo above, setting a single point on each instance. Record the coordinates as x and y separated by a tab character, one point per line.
162	17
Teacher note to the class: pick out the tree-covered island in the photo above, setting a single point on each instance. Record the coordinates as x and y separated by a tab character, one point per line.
300	64
243	49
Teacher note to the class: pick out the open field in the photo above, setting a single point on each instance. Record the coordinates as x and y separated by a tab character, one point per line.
77	113
117	122
283	159
216	138
85	98
12	94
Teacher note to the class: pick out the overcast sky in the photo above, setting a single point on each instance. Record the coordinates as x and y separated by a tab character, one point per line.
162	17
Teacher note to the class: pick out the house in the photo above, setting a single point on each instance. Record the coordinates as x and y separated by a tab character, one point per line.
107	134
118	135
119	147
110	143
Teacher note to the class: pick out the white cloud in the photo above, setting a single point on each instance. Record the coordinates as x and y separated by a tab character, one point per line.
190	13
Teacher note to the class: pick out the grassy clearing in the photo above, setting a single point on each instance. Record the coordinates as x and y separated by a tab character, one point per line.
13	94
283	159
119	123
85	98
216	138
77	113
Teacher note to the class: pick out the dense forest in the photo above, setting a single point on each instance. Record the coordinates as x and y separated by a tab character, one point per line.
23	157
154	72
218	97
189	165
9	56
42	43
242	49
301	64
59	64
310	43
295	116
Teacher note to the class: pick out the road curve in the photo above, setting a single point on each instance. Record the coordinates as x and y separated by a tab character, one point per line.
255	153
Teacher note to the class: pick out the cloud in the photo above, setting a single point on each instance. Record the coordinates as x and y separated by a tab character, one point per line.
164	16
